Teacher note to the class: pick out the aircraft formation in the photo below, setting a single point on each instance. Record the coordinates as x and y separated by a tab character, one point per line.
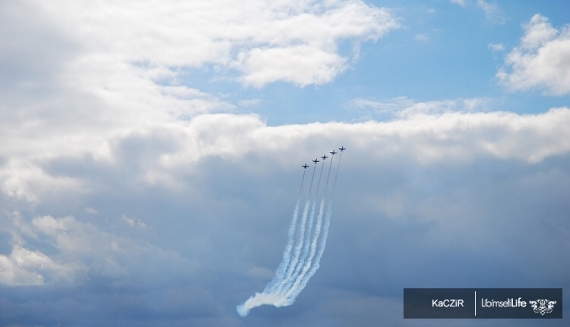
306	242
333	152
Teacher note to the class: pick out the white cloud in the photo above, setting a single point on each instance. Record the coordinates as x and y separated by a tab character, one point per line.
160	153
250	102
496	46
392	105
133	222
78	249
465	135
421	37
266	41
404	107
228	135
541	61
26	267
115	68
492	12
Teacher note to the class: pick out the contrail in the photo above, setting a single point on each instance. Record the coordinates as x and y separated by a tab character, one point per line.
305	246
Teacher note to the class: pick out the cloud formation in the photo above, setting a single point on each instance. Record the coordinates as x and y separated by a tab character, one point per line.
155	156
264	41
402	107
492	12
541	60
133	193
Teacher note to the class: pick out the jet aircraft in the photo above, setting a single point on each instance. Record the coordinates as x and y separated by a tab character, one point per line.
316	160
324	157
305	166
333	152
342	148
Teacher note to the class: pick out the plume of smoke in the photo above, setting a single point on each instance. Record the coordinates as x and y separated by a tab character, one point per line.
306	242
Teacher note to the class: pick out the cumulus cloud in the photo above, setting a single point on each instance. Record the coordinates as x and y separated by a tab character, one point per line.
155	155
27	267
264	41
540	61
78	249
112	69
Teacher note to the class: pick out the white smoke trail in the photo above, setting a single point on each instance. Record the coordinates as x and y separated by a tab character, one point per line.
302	254
279	280
295	289
290	272
275	282
311	267
322	244
301	249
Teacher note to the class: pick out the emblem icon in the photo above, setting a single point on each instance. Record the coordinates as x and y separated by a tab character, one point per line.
542	306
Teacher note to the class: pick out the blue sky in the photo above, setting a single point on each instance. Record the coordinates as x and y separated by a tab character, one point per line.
150	156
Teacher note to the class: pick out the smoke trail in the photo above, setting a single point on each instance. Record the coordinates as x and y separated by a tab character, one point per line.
336	176
290	239
301	187
315	267
294	289
280	280
308	236
323	242
310	269
286	253
302	254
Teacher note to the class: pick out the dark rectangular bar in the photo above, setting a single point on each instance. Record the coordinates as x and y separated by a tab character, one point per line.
473	303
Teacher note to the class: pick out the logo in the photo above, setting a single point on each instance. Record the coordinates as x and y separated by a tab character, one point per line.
542	306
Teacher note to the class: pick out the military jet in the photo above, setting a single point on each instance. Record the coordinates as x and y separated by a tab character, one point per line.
342	148
333	152
324	157
316	160
305	166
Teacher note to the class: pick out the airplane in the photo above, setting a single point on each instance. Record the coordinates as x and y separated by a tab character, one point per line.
305	166
324	157
333	152
316	160
342	148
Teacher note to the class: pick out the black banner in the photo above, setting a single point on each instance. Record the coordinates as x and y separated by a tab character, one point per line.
473	303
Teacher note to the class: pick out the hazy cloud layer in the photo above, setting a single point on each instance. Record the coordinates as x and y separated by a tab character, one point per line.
180	234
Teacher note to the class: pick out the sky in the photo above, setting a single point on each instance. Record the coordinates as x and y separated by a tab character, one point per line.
151	152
